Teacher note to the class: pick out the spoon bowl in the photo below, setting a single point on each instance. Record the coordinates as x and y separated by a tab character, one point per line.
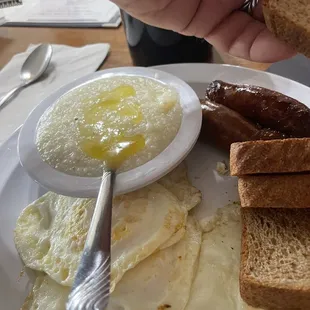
36	63
34	66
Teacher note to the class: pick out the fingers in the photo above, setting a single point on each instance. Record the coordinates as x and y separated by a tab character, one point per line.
242	36
167	14
267	48
208	15
185	16
219	21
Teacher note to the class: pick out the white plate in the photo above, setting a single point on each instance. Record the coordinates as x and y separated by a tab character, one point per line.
17	189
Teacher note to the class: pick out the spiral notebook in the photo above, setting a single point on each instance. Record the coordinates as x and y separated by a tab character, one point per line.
9	3
63	13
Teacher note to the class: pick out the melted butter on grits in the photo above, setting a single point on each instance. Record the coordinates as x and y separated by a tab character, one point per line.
119	122
108	141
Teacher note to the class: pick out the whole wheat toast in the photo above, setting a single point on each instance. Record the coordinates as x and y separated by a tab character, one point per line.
275	258
289	21
273	156
275	191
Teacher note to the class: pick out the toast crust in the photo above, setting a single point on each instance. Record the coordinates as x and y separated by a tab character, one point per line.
275	191
273	156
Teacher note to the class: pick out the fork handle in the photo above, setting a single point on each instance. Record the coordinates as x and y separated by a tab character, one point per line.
10	94
91	287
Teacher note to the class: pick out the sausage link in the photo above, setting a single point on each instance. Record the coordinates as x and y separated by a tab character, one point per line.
268	108
222	126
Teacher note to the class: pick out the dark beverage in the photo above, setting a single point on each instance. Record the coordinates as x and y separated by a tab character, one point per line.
150	46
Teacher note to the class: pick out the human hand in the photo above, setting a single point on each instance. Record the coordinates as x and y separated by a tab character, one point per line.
218	21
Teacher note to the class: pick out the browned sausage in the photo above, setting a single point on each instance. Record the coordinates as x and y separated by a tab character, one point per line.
222	126
268	108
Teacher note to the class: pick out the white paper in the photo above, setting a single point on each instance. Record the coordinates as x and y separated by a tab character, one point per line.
77	12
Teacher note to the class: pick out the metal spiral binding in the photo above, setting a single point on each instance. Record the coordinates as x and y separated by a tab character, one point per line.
9	3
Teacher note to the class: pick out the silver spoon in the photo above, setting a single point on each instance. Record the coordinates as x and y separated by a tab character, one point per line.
33	67
91	287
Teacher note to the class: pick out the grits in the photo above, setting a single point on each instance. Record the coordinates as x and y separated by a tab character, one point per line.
119	122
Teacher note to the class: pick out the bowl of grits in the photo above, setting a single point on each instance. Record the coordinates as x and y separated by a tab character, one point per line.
138	122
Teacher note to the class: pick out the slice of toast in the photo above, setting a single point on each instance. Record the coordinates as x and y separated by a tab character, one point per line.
274	156
275	191
289	21
275	258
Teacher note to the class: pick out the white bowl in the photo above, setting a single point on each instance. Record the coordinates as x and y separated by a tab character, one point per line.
151	171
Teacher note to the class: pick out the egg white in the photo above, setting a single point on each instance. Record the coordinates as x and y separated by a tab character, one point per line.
161	281
216	285
177	182
164	279
46	294
51	232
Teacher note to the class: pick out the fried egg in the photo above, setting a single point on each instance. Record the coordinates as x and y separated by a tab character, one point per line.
161	281
51	232
178	183
46	294
142	222
164	279
176	237
216	285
